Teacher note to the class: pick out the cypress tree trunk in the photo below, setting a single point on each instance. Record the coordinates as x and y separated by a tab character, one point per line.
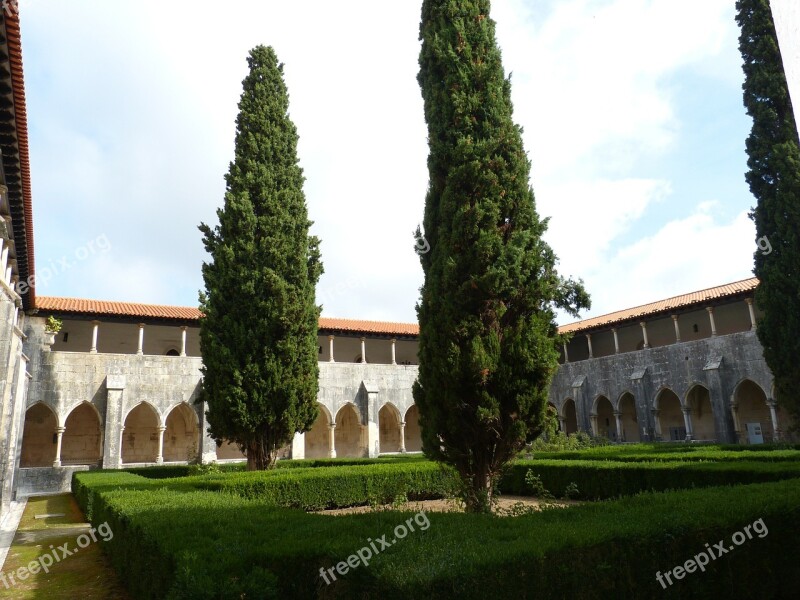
774	178
488	338
258	333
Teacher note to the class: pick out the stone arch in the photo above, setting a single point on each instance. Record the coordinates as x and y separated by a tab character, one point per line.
750	407
698	401
570	416
389	428
82	441
626	405
413	430
669	421
317	439
348	433
606	425
140	436
182	434
39	437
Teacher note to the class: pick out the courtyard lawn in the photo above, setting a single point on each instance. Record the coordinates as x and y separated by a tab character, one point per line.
86	574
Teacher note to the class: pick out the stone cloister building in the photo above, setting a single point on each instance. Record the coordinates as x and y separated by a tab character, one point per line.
118	385
685	368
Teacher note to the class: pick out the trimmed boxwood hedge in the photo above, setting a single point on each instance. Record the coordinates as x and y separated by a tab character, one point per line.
317	489
611	479
176	544
677	451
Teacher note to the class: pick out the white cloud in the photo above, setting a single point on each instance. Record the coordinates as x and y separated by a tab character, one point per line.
132	109
686	254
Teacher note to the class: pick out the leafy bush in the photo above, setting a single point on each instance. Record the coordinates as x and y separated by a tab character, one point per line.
558	441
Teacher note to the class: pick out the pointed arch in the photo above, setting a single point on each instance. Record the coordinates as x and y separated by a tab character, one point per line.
317	439
141	433
669	421
39	436
349	432
182	434
606	422
570	416
82	441
626	406
701	412
413	431
389	428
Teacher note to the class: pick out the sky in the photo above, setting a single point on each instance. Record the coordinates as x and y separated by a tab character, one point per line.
631	109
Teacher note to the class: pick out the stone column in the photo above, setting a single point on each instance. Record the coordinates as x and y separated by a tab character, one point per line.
710	310
3	256
330	347
656	422
59	433
643	325
183	340
402	436
677	328
773	414
140	347
562	424
589	342
160	455
8	275
332	441
737	426
95	327
394	344
566	354
363	350
618	419
687	421
593	420
616	340
752	313
112	447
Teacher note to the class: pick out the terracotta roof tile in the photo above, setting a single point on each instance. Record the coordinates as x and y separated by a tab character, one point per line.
182	313
664	306
25	259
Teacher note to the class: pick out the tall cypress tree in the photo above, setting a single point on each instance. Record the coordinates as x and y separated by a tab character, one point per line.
258	333
488	337
774	178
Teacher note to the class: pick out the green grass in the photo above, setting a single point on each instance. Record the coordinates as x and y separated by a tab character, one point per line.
86	574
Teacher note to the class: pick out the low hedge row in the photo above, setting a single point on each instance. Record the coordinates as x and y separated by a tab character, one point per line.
611	479
672	452
170	471
175	545
317	489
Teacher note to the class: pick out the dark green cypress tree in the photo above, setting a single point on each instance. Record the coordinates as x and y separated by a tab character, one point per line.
488	337
774	178
258	333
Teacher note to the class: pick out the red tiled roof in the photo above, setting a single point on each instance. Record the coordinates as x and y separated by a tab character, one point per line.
185	313
182	313
14	41
664	306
